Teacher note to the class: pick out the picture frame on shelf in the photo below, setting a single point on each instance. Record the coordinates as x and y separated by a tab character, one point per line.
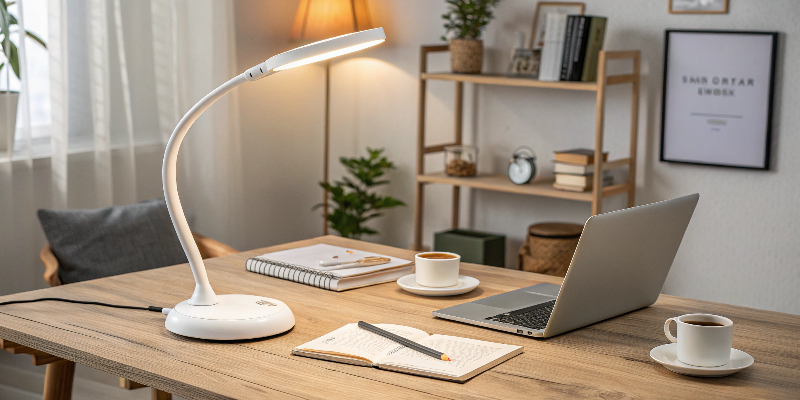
525	63
540	18
717	97
698	6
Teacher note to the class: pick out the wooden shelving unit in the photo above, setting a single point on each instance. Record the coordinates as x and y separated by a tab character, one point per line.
539	187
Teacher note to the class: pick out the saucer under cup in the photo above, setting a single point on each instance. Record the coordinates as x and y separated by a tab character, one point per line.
437	269
465	284
667	355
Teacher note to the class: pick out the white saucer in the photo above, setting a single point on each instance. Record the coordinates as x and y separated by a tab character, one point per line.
667	355
465	284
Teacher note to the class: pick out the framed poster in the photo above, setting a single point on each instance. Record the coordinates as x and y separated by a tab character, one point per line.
698	6
717	97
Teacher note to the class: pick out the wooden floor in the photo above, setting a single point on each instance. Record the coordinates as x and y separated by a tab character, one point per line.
607	360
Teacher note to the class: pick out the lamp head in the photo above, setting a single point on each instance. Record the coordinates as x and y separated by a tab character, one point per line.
317	51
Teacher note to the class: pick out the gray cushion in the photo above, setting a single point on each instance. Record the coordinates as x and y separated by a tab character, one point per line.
91	244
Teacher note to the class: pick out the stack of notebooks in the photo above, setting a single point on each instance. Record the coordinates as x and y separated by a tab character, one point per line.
301	265
572	44
574	170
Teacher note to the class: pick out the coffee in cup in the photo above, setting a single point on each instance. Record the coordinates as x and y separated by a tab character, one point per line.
438	256
437	269
704	340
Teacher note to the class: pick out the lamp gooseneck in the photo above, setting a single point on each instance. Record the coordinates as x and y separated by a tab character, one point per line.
236	316
203	293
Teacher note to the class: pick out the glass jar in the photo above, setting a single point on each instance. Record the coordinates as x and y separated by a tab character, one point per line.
461	161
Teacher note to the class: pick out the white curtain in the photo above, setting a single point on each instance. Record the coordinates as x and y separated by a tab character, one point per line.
119	75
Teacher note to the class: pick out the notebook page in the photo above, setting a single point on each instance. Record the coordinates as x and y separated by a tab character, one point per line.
352	340
310	256
465	355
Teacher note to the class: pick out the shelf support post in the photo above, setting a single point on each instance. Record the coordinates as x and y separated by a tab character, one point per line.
597	192
419	199
458	106
634	131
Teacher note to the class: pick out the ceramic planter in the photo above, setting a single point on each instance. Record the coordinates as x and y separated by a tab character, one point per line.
466	56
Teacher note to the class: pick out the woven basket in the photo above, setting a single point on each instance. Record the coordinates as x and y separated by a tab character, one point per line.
466	56
549	248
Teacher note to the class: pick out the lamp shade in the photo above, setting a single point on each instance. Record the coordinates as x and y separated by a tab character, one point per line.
320	19
325	49
317	51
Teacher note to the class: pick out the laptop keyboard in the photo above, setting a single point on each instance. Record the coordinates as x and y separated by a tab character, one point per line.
530	318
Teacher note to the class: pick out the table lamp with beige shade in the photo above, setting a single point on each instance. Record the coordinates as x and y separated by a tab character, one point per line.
320	19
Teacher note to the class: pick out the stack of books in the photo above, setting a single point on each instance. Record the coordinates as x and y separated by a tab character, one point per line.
574	170
572	44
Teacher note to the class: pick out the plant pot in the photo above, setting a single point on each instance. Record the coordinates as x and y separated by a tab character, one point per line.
466	56
8	119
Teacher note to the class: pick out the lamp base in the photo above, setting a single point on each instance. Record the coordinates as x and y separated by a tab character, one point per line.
235	317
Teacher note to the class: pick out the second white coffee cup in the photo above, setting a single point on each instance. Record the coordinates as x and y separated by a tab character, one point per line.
704	340
437	268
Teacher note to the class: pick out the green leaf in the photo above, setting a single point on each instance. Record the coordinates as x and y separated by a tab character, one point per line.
10	50
36	38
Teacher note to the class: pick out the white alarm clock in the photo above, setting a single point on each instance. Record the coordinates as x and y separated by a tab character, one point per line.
522	167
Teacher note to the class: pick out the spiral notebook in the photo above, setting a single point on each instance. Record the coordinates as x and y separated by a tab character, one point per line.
301	265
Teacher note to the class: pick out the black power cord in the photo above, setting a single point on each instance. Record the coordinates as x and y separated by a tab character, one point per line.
95	303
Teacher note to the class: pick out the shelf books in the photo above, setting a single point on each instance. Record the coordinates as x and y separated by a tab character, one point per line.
578	156
572	47
553	49
574	170
579	183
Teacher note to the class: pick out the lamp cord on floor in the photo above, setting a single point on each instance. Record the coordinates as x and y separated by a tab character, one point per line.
95	303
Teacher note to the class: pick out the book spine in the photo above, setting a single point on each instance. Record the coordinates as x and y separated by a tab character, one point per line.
291	272
579	58
593	47
566	55
550	64
574	158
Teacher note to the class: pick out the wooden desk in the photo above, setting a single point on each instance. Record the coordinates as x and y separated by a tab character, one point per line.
608	359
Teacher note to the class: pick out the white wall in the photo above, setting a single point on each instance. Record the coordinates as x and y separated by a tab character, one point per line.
740	247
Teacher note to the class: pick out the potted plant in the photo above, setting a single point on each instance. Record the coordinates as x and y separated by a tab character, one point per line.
354	202
8	98
465	21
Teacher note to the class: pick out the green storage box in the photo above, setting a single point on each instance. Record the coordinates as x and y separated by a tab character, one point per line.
473	247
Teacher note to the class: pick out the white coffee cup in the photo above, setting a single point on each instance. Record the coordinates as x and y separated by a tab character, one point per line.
433	271
704	340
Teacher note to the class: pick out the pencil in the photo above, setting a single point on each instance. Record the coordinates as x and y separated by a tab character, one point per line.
405	342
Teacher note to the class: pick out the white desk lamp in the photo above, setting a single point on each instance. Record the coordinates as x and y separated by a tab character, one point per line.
237	316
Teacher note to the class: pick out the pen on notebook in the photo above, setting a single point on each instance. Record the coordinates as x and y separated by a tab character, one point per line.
364	262
405	342
348	260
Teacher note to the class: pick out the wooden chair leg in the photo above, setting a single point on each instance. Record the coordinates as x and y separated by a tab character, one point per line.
156	394
58	380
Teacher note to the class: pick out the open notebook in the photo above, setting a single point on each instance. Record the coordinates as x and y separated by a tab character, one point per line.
353	345
302	265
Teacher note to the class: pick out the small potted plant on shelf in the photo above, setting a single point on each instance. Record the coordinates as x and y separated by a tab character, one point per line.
465	21
8	98
353	203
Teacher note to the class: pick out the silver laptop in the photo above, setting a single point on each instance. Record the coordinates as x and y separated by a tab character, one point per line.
620	265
